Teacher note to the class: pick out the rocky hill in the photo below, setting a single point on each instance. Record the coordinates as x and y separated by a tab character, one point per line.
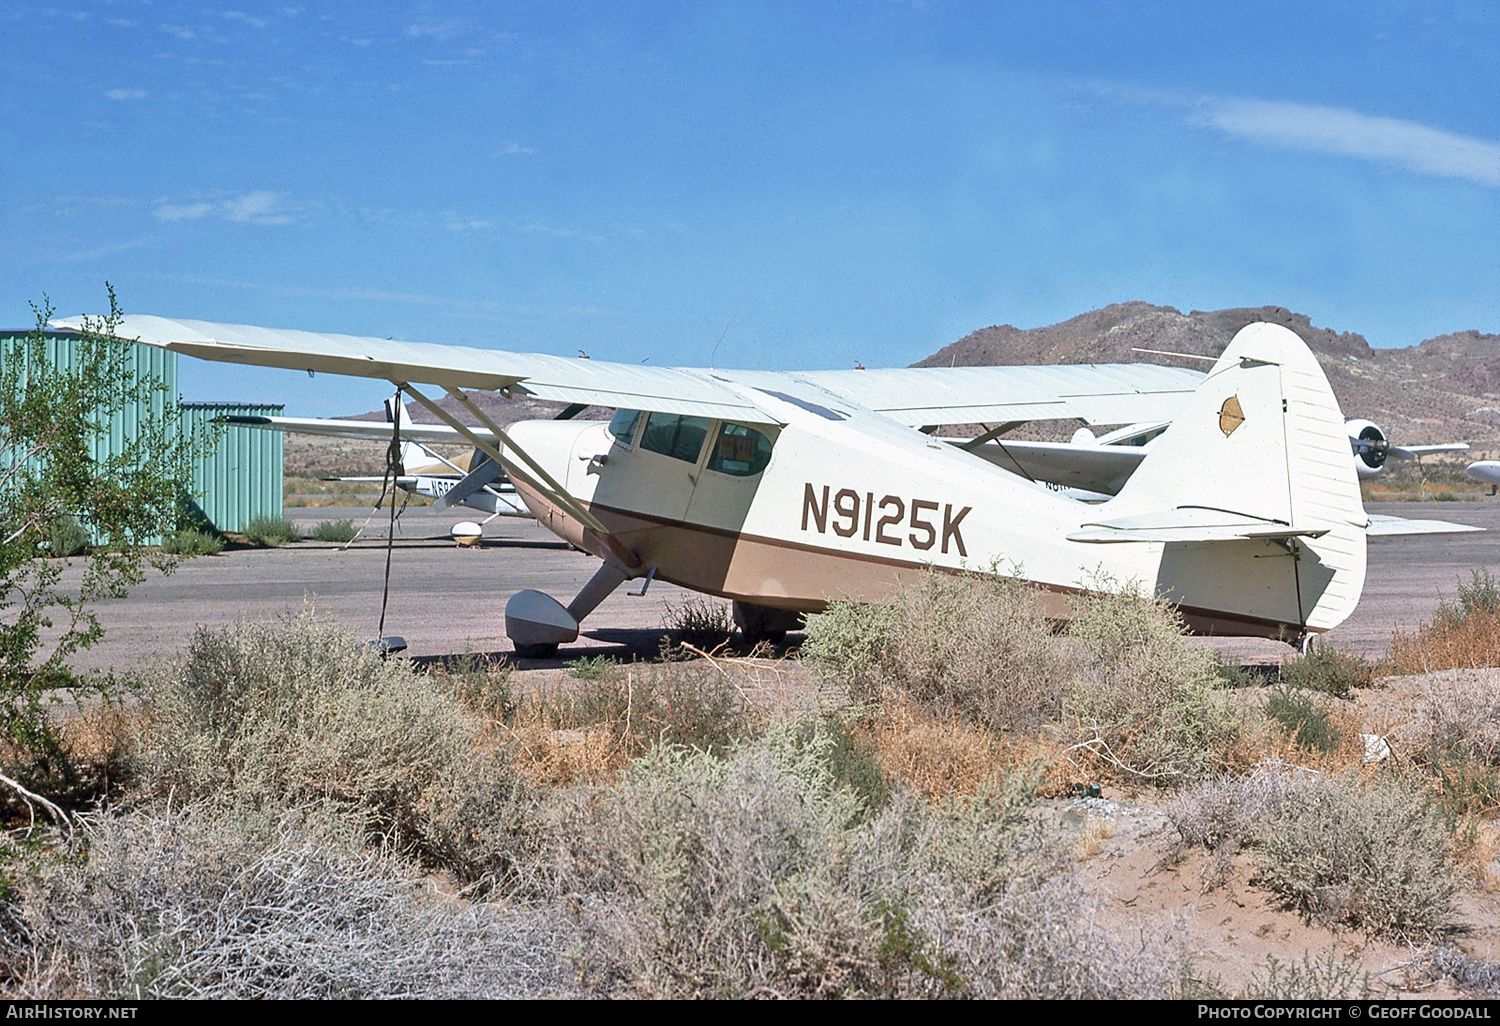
1445	389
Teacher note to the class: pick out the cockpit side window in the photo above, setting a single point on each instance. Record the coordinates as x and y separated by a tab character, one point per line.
740	451
622	425
674	435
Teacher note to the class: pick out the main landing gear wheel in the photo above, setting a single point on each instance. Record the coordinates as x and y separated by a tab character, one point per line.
545	651
762	623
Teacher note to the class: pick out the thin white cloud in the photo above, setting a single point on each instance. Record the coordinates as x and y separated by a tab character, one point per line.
180	31
442	31
1336	130
259	206
514	149
243	18
83	256
182	211
125	94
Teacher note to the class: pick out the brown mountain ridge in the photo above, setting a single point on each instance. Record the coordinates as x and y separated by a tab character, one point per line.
1445	389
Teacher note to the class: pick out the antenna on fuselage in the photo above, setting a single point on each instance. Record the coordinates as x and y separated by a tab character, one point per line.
715	350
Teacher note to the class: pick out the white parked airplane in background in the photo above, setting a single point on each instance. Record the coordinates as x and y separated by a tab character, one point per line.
1487	471
1097	467
782	491
479	484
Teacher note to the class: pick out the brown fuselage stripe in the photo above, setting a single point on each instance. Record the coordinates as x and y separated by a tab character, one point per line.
712	572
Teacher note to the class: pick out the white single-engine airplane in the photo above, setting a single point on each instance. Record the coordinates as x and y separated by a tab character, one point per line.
481	484
782	491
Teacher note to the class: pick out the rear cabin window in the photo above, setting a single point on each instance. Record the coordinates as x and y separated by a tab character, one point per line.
674	435
622	425
740	451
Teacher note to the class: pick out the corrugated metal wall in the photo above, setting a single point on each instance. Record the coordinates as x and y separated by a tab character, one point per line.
62	352
234	481
242	477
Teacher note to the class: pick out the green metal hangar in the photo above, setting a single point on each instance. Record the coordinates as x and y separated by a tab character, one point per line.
236	479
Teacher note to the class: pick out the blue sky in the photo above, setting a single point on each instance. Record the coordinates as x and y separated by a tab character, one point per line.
794	184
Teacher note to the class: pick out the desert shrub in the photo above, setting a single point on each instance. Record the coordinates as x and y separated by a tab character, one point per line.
67	538
1455	713
934	755
974	645
1453	727
190	904
591	667
334	531
1480	595
1373	857
1235	676
1447	643
192	542
299	715
1467	786
1464	635
1476	977
1325	978
1223	815
758	874
642	704
271	532
847	642
699	621
1304	719
854	759
480	684
1145	702
1328	670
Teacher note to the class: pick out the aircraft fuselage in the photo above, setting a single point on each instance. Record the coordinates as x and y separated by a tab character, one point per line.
849	502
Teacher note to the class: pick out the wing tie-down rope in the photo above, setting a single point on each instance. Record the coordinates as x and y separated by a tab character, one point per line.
392	471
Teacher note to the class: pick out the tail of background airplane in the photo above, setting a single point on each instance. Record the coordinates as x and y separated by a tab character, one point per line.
413	456
1252	492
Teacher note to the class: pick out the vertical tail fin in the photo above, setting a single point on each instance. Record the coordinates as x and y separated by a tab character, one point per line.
1263	438
412	454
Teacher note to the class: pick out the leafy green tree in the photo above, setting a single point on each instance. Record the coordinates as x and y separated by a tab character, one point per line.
53	471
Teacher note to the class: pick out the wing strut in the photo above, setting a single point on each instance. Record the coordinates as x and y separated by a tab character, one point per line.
973	444
550	489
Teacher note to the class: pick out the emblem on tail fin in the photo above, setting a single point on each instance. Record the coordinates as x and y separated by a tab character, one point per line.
1230	415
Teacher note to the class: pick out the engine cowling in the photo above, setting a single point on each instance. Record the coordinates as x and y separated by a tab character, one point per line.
1370	445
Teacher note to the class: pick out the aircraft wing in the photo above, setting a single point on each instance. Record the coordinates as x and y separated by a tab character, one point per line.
597	382
1096	393
1411	452
917	396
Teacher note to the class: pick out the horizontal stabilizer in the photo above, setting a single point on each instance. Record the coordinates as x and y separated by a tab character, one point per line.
1190	524
1386	527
